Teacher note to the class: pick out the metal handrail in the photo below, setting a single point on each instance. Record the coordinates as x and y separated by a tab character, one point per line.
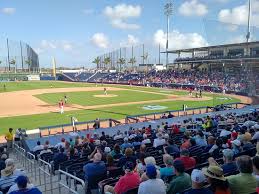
70	176
45	173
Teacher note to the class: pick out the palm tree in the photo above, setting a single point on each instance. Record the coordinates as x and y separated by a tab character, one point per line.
106	61
13	62
145	57
132	61
28	62
97	61
121	61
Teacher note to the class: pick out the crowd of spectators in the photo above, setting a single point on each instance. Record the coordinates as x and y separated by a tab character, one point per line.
196	78
217	156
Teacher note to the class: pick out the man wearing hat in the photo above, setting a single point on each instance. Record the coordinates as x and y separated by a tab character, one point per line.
129	181
153	184
22	187
198	180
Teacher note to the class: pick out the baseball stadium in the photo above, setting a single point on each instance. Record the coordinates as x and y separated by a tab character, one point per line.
138	120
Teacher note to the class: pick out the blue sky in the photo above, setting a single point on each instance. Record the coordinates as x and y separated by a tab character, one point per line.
75	31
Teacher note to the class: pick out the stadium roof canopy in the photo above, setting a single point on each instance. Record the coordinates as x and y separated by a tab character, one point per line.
212	47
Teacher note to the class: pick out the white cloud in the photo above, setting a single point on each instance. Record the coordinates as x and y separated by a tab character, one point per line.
48	45
193	8
131	41
8	10
238	15
119	14
88	11
100	40
178	40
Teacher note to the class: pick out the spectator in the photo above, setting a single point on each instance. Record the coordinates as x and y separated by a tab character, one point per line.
236	146
189	162
150	160
9	138
129	181
198	180
142	150
96	168
22	187
182	180
116	152
153	185
194	147
110	162
61	144
255	161
168	170
2	161
226	131
247	145
47	144
38	147
229	165
118	135
200	139
45	151
145	140
218	183
159	140
211	142
171	148
186	142
10	169
141	165
59	157
244	182
128	157
126	144
103	136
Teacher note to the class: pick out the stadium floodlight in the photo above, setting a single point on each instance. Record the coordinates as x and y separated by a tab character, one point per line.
168	12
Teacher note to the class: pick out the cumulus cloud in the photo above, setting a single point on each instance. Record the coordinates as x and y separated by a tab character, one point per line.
131	41
8	10
238	15
119	14
100	40
179	40
47	45
193	8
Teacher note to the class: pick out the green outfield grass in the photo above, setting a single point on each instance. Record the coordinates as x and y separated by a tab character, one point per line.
31	85
89	99
86	98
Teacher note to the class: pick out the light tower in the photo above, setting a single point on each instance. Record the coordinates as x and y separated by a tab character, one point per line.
168	12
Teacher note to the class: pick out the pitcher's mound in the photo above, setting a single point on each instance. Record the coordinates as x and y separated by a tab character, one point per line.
105	96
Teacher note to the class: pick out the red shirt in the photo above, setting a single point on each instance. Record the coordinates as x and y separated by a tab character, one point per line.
186	145
127	182
176	129
189	162
148	131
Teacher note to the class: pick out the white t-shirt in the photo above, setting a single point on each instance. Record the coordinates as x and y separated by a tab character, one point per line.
60	144
146	141
158	142
152	186
37	147
224	132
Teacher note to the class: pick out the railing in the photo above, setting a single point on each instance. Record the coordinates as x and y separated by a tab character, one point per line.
69	178
46	169
178	113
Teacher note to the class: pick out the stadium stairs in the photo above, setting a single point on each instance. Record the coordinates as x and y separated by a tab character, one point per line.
40	174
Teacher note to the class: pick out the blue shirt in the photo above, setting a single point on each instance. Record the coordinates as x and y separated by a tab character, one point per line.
199	191
166	171
229	167
126	145
94	169
27	191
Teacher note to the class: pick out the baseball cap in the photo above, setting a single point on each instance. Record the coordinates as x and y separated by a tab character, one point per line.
107	150
197	176
236	142
21	181
151	170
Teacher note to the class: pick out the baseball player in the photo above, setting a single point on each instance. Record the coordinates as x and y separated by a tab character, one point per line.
105	91
61	106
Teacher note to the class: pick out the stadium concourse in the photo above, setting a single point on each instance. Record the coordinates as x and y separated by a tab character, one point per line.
205	153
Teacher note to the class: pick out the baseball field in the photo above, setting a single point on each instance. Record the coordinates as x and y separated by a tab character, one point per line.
34	104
